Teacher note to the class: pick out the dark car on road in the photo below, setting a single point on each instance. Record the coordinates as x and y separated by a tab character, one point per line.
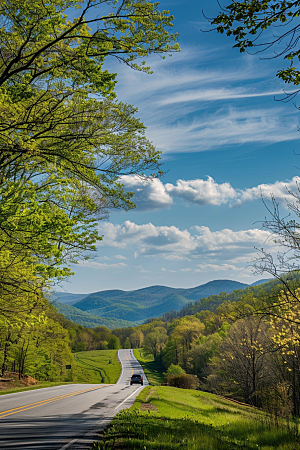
136	378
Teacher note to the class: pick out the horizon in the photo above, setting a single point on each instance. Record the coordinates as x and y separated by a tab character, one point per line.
225	143
157	285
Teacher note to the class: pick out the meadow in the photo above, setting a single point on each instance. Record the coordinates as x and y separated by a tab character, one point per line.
98	366
166	418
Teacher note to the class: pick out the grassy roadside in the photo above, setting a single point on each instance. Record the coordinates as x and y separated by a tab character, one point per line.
166	418
98	366
153	370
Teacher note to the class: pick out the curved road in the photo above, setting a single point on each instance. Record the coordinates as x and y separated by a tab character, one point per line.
66	417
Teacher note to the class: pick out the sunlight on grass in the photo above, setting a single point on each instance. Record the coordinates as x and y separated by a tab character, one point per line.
171	418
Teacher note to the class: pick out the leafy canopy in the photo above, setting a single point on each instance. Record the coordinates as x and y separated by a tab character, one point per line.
264	24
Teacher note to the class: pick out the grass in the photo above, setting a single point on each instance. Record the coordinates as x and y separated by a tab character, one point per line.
98	366
153	369
166	418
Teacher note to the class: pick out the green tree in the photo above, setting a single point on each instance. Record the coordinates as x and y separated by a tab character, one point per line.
64	140
113	342
248	22
185	333
155	341
127	343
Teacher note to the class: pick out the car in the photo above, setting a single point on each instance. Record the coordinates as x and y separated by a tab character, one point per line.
136	378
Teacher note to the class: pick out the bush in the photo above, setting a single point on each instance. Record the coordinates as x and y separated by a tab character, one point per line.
175	370
184	381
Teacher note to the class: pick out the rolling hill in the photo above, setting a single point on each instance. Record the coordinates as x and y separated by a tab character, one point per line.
117	308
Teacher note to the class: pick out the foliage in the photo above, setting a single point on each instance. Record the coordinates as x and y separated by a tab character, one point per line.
175	370
249	22
65	141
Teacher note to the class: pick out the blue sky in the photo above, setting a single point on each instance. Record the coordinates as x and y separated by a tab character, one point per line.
224	141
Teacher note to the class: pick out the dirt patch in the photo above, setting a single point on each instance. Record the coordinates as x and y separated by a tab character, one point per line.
11	380
148	407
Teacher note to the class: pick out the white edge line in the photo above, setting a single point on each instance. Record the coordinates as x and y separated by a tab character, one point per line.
121	374
118	406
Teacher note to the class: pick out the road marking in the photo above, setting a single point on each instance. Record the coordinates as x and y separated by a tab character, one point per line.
118	406
129	362
9	412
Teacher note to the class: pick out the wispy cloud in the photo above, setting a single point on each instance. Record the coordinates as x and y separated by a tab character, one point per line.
204	95
188	106
98	265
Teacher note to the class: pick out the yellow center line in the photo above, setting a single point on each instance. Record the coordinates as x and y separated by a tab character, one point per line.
9	412
129	362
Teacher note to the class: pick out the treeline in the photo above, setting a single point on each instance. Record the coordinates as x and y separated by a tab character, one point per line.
248	350
41	344
213	301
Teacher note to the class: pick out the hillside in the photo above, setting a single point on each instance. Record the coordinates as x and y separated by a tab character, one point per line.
65	297
89	320
212	302
117	308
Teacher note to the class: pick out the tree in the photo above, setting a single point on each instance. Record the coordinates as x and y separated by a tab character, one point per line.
64	140
248	23
154	342
243	360
113	342
187	331
136	339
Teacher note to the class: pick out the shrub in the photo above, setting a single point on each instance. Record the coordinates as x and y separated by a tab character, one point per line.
175	370
183	381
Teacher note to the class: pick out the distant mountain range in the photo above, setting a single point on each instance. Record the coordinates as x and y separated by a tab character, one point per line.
117	308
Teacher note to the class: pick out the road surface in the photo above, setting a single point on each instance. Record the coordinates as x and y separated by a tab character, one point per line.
66	417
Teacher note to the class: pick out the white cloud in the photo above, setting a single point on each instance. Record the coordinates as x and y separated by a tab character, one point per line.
202	192
153	195
149	194
281	190
216	267
226	126
120	257
202	95
97	265
171	243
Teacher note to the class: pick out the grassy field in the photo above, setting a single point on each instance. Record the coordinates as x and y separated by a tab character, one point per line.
98	366
166	418
153	370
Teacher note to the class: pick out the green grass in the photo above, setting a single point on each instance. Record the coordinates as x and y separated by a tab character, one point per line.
166	418
153	369
98	366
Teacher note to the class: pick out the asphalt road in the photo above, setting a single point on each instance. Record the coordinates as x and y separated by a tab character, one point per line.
66	417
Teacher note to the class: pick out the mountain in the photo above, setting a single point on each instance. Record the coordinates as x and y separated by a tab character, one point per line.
118	307
88	320
256	283
66	297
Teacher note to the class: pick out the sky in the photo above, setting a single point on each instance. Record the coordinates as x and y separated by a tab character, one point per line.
226	142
